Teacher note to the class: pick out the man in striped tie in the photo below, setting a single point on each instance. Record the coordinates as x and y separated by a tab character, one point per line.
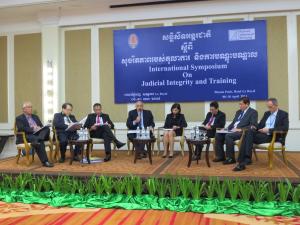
245	117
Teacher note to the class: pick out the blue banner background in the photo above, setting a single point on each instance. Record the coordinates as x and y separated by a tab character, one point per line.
219	61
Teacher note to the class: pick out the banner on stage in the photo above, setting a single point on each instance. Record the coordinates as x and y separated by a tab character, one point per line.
218	61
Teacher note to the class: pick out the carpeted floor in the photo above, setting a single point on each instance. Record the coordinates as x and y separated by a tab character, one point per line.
122	164
17	213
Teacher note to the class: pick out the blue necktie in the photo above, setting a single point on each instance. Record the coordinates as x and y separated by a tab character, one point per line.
140	123
241	116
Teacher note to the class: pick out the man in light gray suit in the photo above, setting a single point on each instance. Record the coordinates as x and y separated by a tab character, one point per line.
245	117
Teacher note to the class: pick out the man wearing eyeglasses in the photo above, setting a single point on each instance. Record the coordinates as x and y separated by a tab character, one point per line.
274	119
61	122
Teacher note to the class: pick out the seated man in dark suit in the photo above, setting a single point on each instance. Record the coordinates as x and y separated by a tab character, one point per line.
246	117
139	118
30	124
61	122
274	119
213	120
100	126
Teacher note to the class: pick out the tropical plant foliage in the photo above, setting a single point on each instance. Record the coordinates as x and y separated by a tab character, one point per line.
169	186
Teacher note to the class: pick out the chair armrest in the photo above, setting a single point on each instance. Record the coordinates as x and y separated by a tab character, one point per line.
275	135
280	132
242	137
158	131
22	133
182	138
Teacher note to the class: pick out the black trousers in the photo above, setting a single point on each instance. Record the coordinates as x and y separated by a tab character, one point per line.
251	137
37	141
64	137
229	140
105	133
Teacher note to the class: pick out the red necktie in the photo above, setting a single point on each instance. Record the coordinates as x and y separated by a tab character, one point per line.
98	119
210	120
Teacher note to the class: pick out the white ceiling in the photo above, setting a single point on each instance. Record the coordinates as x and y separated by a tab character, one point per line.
77	12
12	11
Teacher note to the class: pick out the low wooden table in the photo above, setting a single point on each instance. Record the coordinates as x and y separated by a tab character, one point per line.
148	143
81	143
192	143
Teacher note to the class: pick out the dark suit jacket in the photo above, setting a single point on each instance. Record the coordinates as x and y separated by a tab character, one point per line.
23	126
179	120
281	121
248	120
220	120
59	122
147	119
91	120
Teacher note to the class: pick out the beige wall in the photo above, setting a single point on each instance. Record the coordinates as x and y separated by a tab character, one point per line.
117	112
28	71
78	71
3	80
298	32
277	62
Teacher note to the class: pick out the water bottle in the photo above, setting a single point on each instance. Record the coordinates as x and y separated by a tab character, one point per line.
192	134
79	132
86	134
143	133
204	134
140	133
197	133
148	133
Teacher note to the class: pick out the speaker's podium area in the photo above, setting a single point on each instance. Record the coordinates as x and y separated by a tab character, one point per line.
149	112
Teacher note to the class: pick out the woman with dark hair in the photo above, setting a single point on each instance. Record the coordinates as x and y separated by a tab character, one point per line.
174	124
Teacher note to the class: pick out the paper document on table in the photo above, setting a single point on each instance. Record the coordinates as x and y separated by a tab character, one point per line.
132	131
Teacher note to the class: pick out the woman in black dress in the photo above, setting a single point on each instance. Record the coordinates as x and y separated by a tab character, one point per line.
174	124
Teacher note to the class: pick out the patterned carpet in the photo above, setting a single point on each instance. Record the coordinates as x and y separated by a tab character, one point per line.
122	164
17	213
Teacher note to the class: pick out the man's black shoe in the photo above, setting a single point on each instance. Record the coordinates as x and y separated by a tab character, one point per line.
47	164
76	158
239	167
107	158
229	161
139	157
218	160
196	157
120	144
